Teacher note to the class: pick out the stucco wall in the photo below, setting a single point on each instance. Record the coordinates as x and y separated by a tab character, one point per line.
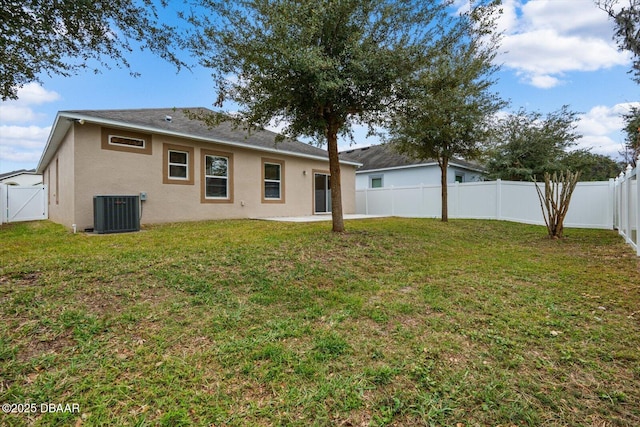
100	171
59	177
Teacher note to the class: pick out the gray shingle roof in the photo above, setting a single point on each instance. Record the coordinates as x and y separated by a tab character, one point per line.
17	172
384	157
180	123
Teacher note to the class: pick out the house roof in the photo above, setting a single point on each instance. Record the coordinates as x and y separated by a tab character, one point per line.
8	175
176	122
382	157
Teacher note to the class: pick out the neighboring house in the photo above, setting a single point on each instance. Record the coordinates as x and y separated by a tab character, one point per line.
383	167
21	177
187	170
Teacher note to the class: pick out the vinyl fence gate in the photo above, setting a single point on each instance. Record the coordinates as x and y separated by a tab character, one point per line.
23	203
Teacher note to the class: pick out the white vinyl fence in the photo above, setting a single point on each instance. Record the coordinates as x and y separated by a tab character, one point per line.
23	203
627	206
592	203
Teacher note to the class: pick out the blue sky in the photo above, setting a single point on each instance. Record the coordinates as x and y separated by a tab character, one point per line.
554	52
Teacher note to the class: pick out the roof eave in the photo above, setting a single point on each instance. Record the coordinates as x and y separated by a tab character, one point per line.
417	165
60	127
56	136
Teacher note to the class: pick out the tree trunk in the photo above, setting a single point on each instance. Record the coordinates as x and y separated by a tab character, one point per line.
444	164
334	169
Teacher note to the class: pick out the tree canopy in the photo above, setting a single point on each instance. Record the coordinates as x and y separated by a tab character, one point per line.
317	67
591	166
632	136
626	18
528	144
449	106
62	37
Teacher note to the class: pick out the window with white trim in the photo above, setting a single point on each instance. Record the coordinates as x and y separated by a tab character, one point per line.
127	141
376	181
178	164
272	181
216	174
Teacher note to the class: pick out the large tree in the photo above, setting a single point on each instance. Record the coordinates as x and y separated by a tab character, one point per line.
626	17
450	104
63	37
528	144
316	66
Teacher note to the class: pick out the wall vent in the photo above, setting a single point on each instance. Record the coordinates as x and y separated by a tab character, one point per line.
116	214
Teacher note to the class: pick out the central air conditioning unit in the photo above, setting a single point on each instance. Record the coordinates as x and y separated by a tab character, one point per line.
116	214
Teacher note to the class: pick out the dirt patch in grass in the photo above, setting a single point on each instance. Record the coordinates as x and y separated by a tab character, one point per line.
39	346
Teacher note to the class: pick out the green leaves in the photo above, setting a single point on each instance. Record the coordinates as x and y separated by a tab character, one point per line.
312	63
528	144
64	37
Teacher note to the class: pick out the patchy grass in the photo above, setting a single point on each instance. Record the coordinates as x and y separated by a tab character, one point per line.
397	322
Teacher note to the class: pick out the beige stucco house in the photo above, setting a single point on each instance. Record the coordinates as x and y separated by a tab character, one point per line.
187	170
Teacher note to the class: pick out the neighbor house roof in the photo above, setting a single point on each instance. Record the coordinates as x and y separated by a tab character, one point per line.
382	157
176	122
8	175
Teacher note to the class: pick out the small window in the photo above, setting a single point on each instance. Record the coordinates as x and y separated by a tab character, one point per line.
129	142
376	182
460	178
177	164
272	181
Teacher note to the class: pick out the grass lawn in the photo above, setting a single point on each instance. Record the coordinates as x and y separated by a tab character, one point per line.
397	322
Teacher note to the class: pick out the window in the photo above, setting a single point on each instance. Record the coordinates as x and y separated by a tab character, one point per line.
376	182
123	140
178	164
217	182
217	177
459	178
272	181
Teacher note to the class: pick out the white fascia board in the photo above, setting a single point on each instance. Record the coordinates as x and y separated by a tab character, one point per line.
396	168
59	129
150	129
419	165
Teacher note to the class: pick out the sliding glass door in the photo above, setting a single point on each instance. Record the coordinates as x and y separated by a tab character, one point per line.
322	198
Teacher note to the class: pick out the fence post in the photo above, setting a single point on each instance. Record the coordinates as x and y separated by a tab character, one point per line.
3	203
637	206
366	201
455	206
621	202
627	180
393	203
498	199
612	203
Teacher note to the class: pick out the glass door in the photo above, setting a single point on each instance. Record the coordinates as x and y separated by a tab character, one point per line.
322	191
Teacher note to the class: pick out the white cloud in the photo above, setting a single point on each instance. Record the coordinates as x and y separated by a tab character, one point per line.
31	135
546	38
34	94
601	128
24	144
20	110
